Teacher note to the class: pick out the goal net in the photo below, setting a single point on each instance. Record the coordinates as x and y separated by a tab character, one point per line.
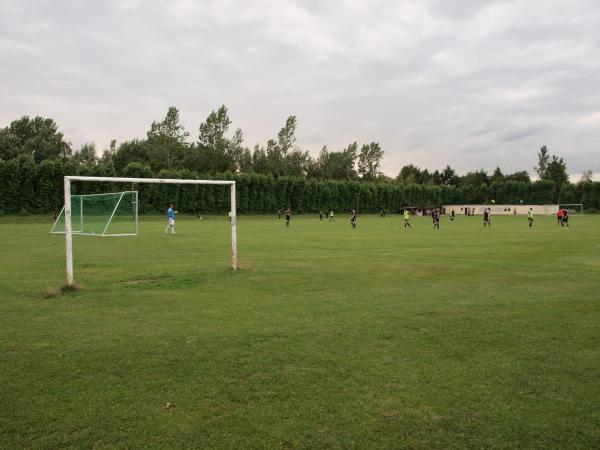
575	209
112	214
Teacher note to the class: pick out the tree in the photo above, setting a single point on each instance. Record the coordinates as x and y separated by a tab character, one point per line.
283	156
497	175
586	176
274	158
295	161
475	179
235	148
449	177
259	160
131	151
369	160
167	141
87	155
543	160
348	161
212	131
246	165
408	174
219	153
552	168
424	177
521	176
38	137
109	153
335	165
286	138
557	171
170	128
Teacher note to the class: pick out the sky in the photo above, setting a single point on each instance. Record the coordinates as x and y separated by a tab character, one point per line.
470	83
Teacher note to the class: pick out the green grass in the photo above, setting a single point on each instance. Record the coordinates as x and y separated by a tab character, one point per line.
328	337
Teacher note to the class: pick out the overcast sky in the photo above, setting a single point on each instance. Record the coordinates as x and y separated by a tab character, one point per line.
470	83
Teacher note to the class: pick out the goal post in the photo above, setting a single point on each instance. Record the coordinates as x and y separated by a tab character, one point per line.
67	212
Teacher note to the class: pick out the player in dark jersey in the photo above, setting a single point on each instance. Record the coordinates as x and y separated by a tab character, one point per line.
436	219
565	218
321	216
452	215
353	218
288	216
486	218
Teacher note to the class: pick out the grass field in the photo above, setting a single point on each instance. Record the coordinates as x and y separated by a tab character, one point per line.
328	337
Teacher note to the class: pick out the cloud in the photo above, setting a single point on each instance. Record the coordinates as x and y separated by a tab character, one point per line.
469	83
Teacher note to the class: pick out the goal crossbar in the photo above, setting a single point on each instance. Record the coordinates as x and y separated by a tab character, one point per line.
67	209
148	180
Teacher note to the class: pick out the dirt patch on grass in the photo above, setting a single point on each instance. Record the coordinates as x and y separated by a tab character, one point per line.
51	292
143	280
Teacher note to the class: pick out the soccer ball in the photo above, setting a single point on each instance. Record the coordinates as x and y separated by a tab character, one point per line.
493	201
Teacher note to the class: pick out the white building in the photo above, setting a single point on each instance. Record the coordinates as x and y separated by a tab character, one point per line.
507	210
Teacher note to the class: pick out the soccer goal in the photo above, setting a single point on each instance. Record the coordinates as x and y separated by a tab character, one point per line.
575	209
111	214
115	214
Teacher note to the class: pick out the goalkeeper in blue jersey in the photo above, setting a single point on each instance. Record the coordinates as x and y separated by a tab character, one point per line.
171	216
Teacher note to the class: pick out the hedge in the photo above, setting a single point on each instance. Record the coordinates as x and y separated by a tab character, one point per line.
38	188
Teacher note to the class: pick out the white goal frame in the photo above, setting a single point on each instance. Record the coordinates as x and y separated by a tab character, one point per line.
67	210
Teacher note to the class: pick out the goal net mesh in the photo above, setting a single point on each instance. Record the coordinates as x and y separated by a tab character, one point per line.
575	209
113	214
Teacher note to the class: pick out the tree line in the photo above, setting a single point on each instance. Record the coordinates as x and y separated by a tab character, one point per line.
34	156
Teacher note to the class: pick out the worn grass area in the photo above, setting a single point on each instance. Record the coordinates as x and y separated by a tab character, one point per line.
327	338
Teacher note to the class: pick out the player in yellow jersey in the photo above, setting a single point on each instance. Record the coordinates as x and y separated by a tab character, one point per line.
530	217
407	219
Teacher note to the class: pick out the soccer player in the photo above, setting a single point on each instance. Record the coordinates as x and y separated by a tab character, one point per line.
321	216
171	216
530	217
436	218
407	219
353	218
452	214
279	213
331	219
486	218
565	218
559	217
288	216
